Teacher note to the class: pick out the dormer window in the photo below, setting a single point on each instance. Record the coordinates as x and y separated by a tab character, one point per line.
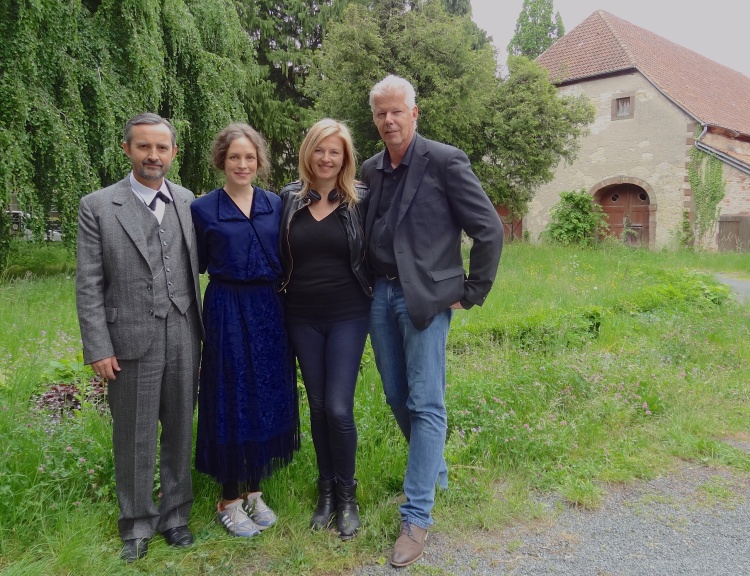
622	107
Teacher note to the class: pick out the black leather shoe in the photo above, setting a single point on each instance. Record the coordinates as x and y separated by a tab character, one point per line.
347	511
326	508
134	549
181	536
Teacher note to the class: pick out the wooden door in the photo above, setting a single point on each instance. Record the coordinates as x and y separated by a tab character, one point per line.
513	229
626	207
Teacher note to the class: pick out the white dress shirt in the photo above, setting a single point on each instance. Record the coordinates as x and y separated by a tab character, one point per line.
146	195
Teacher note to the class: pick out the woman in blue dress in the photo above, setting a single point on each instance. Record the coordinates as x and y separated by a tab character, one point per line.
248	420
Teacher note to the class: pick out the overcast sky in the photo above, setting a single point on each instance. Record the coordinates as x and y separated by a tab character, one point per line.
714	29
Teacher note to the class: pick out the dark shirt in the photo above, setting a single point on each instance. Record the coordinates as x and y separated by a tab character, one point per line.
322	286
380	244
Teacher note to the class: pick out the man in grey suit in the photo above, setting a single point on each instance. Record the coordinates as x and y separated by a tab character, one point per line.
422	195
138	301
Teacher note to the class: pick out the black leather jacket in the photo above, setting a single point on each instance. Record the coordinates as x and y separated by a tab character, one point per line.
352	222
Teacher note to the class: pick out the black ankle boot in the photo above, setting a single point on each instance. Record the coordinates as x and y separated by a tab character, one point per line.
347	511
326	508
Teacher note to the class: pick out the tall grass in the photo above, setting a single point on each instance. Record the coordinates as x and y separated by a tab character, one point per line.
584	367
37	259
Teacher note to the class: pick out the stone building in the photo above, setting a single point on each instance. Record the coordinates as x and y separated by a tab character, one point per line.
655	101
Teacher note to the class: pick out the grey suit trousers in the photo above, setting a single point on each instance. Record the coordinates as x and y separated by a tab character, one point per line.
160	386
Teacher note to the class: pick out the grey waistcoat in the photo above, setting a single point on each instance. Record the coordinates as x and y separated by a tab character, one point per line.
169	261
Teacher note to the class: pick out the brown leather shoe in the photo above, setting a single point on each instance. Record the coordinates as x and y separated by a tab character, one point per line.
409	545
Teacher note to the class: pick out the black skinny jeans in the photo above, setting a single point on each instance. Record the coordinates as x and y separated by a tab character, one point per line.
329	356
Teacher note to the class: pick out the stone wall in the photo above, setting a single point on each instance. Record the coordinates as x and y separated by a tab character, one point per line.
651	147
736	200
737	193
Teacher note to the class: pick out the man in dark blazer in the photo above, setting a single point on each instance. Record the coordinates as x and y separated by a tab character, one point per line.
138	301
423	194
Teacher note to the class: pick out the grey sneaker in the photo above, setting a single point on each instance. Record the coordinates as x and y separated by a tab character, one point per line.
258	510
236	520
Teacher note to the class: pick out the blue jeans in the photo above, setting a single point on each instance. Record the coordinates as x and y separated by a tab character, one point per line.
411	363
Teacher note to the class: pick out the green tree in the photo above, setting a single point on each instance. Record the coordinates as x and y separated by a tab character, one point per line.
514	130
446	58
457	7
73	72
350	61
529	129
42	119
285	35
535	30
559	26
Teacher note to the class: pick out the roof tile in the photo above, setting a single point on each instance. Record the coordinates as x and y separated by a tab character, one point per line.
605	44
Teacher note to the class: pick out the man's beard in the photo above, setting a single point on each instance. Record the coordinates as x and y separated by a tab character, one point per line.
144	173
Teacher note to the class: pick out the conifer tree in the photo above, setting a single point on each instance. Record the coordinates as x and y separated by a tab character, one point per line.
285	34
535	29
457	7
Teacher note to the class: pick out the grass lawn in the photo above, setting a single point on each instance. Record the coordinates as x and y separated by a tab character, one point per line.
584	368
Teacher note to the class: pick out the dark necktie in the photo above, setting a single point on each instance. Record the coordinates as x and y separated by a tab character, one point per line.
164	198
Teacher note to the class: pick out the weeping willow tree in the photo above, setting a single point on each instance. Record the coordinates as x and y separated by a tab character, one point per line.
73	71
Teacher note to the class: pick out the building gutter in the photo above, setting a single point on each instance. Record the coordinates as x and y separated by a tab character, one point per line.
703	132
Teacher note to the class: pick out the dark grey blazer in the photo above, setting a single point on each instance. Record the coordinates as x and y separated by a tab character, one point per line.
441	197
113	275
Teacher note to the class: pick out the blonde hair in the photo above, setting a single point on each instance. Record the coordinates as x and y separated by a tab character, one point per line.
231	133
345	178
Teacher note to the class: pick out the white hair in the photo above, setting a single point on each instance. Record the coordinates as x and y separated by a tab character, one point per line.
391	84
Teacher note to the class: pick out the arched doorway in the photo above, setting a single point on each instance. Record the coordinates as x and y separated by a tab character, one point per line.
628	208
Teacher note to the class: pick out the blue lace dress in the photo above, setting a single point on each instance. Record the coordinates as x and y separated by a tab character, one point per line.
248	418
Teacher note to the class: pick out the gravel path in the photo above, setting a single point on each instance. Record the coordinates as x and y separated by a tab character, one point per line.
739	285
695	522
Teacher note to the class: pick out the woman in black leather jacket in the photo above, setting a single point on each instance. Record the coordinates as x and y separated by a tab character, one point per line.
327	301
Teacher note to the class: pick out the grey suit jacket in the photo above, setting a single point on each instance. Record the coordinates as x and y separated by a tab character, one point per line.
113	276
442	196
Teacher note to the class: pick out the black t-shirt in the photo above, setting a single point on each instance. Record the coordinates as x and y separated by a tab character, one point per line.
322	286
380	242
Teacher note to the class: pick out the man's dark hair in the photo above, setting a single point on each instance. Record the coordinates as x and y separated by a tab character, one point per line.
148	118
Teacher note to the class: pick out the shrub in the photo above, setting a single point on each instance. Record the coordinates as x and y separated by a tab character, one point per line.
37	259
575	219
67	386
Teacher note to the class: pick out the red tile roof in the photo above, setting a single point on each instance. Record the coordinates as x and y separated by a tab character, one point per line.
605	44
